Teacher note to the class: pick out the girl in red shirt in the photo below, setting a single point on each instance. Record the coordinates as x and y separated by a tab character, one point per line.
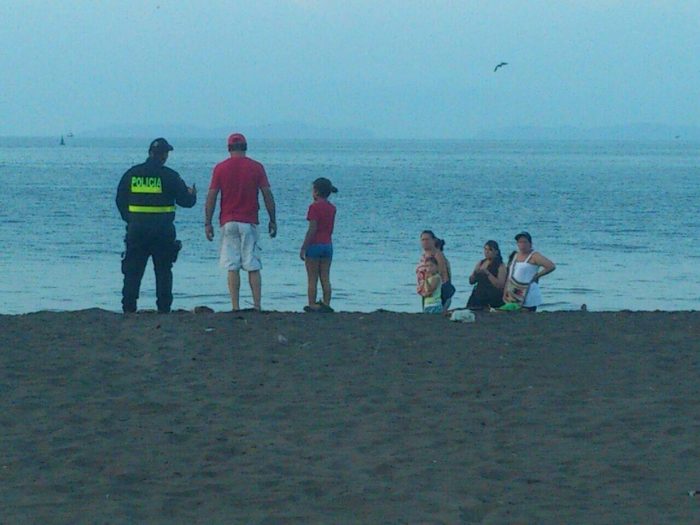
317	249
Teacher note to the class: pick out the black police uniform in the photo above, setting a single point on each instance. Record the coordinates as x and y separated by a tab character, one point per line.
146	199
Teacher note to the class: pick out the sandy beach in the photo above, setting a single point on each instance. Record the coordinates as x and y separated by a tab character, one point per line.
349	418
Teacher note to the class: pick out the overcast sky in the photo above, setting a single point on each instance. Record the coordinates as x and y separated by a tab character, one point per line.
400	68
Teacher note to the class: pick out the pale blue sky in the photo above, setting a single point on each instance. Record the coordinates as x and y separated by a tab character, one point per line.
398	68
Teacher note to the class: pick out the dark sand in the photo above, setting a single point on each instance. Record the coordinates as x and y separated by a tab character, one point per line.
349	418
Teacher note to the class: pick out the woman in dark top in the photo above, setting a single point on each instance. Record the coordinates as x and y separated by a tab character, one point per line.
489	275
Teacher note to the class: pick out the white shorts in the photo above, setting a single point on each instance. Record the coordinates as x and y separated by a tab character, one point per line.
239	247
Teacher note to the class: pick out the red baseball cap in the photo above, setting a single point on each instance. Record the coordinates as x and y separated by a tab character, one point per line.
236	138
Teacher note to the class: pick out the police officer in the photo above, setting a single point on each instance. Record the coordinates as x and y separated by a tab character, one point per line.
146	199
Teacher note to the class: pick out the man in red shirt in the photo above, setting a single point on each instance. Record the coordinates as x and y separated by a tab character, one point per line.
238	179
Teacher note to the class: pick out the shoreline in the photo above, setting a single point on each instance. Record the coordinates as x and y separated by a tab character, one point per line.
148	311
578	417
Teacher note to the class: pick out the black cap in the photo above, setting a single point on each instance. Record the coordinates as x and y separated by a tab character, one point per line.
160	145
524	234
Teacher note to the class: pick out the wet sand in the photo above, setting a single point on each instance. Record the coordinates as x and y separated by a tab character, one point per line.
349	418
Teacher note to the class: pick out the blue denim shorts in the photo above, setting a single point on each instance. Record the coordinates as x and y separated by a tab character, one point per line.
320	251
434	309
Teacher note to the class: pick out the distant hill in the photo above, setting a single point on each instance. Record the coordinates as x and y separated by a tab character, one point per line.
622	132
284	130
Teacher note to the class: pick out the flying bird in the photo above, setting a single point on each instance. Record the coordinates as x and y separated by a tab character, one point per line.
500	65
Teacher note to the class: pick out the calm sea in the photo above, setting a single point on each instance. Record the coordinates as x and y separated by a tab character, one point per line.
620	219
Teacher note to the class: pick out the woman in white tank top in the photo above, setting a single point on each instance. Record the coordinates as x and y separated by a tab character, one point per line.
525	268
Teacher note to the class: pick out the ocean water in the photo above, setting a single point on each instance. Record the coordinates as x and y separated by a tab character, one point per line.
620	219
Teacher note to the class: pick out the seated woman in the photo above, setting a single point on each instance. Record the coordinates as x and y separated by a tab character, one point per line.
433	247
522	290
489	275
